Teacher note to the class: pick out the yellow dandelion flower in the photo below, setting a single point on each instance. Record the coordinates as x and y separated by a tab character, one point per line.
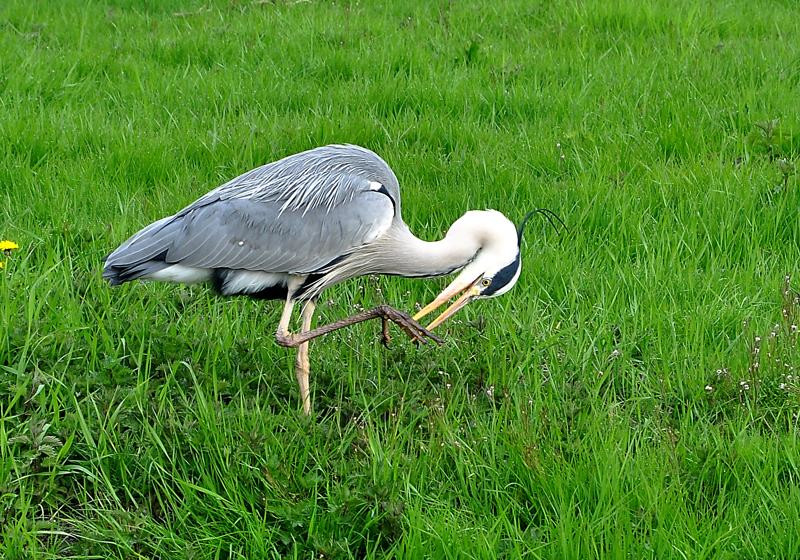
6	247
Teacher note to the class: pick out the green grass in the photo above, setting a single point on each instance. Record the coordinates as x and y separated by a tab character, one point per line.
613	405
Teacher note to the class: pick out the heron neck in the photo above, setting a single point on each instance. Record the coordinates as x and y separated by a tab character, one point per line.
417	257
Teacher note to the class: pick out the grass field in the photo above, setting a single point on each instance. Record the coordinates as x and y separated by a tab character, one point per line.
635	396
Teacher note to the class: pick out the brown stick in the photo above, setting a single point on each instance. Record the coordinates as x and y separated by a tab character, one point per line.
403	320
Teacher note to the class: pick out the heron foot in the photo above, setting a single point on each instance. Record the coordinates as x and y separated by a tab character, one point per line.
412	328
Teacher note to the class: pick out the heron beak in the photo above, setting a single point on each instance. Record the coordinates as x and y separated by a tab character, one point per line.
467	292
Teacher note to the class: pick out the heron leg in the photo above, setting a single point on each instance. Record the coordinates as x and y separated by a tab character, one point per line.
286	316
403	320
302	365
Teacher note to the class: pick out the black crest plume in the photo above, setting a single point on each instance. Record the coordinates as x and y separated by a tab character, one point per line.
548	214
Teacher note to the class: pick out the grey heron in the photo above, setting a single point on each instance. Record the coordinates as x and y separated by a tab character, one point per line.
289	229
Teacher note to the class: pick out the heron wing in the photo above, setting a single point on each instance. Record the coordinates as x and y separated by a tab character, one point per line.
251	235
325	177
297	215
248	235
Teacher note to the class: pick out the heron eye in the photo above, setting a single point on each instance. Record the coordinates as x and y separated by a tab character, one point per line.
486	282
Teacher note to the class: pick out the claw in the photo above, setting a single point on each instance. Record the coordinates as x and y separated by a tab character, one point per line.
432	336
414	336
385	336
425	334
421	334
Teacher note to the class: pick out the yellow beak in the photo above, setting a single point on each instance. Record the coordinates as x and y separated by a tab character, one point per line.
467	292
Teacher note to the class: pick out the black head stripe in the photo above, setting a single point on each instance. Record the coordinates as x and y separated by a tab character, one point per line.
503	277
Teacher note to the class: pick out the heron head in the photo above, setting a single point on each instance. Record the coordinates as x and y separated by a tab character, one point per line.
493	270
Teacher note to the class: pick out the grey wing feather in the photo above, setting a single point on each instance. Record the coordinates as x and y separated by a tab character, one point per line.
250	235
324	177
297	215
